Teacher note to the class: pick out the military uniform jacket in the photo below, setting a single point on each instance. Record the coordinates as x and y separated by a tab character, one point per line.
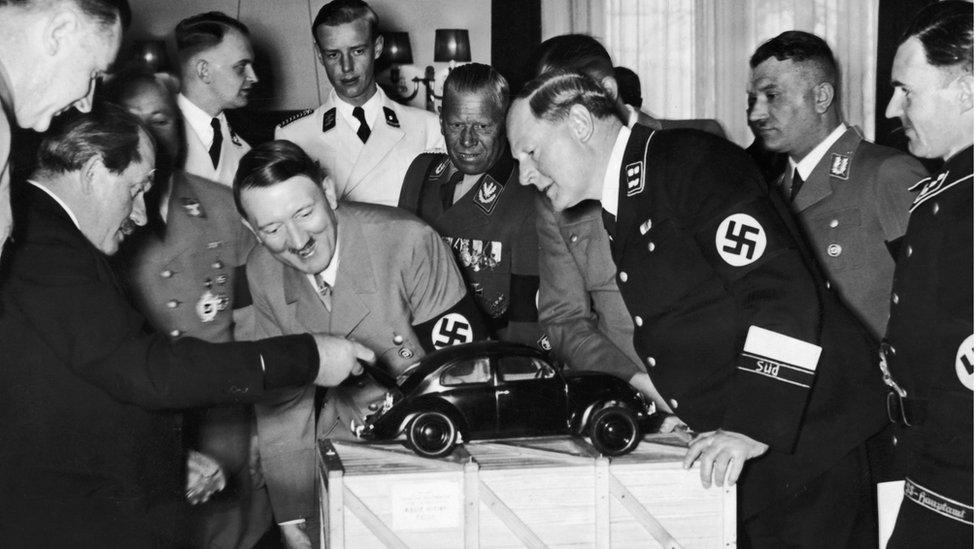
365	172
735	328
184	283
86	422
198	161
931	330
491	230
853	203
397	291
580	306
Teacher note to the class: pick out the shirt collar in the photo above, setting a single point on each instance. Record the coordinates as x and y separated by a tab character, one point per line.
57	199
810	161
611	179
331	272
371	108
199	120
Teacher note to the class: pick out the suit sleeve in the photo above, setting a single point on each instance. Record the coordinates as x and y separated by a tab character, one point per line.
894	177
113	351
443	312
285	428
564	306
751	249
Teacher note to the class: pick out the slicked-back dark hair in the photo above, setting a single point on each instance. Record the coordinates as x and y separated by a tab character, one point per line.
800	47
204	31
945	30
105	12
107	132
551	95
340	12
271	163
574	53
479	78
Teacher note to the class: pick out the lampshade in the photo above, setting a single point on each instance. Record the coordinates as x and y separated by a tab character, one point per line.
397	47
151	54
451	45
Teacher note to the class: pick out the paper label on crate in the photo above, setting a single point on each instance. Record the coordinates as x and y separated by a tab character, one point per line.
426	506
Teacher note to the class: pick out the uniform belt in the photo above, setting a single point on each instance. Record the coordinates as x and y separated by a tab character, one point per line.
936	502
909	412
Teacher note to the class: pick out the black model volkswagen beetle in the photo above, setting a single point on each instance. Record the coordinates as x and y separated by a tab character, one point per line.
492	390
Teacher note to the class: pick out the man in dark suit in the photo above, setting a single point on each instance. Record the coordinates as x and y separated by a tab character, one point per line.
471	196
928	355
371	273
90	452
737	332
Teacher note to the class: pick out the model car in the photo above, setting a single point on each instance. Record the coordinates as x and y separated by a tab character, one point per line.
492	390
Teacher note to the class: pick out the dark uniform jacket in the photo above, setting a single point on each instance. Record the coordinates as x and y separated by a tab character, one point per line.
852	208
930	334
728	313
491	230
90	450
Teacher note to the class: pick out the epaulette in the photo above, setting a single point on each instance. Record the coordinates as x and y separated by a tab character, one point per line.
294	117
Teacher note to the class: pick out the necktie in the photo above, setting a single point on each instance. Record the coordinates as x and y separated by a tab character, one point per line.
609	222
218	139
797	183
325	291
363	132
447	190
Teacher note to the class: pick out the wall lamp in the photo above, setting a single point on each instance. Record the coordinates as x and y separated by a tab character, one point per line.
450	46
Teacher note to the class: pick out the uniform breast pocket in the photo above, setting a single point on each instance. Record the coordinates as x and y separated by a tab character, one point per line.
668	263
839	240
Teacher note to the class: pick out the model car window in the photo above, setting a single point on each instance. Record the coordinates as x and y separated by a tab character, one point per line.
519	368
475	370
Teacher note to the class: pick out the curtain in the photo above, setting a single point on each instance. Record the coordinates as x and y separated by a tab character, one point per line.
693	55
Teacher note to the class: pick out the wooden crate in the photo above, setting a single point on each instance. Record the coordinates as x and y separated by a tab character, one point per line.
540	492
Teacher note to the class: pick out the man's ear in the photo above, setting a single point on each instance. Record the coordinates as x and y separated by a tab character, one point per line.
581	123
201	67
823	96
247	224
378	46
90	172
328	186
58	29
965	92
609	83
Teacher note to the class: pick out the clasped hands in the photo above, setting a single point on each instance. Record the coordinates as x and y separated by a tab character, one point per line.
723	455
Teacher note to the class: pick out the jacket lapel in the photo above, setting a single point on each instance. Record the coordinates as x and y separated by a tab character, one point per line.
634	181
833	169
382	140
306	308
355	279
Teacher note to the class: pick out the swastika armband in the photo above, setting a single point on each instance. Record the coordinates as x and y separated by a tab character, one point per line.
241	291
775	373
460	324
743	237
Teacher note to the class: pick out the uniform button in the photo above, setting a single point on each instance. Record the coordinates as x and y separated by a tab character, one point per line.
638	321
650	246
891	350
908	251
894	298
894	441
397	339
935	208
834	223
172	304
373	407
673	403
406	353
175	333
651	362
623	276
828	284
360	384
834	250
573	238
217	264
167	273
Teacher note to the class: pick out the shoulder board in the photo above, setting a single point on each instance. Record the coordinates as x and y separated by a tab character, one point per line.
328	120
391	117
294	117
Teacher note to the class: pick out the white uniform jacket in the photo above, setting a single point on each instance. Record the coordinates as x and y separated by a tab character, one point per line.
198	147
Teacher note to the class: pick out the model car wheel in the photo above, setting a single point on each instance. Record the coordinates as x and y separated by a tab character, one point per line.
613	431
432	434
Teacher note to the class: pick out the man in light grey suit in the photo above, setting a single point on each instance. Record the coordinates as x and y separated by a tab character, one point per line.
374	274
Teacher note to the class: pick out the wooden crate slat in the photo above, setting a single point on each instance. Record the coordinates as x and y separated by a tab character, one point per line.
371	521
511	520
645	519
